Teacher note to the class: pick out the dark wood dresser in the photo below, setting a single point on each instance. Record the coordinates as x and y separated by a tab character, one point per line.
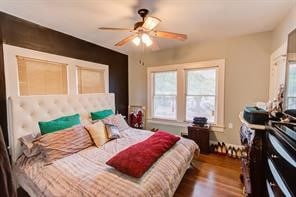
201	136
269	169
281	160
253	164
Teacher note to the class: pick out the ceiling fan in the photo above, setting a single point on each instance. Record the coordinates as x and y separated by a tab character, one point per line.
145	30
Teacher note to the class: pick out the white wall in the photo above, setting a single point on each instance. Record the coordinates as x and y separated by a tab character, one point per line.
279	49
246	75
280	33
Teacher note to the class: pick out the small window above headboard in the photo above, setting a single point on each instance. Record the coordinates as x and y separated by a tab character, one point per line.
41	77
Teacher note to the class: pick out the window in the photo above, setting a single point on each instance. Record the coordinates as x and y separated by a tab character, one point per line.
41	77
164	95
291	87
184	91
90	80
201	94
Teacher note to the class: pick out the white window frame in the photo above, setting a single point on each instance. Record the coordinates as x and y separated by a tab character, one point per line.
11	68
152	95
181	89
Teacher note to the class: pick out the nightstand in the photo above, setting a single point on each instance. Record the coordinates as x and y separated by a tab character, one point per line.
201	136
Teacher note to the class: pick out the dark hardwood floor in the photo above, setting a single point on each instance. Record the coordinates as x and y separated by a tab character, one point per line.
215	175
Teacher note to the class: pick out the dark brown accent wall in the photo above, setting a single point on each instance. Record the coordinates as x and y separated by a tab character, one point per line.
22	33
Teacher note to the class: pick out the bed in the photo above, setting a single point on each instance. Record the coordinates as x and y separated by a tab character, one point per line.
86	173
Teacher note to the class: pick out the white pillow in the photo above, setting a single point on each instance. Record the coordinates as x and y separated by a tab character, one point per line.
116	120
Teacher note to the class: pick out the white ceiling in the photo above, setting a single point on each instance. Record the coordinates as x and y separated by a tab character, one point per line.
200	19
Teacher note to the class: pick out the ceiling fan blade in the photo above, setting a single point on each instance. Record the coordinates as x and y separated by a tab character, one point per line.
115	29
151	22
126	40
170	35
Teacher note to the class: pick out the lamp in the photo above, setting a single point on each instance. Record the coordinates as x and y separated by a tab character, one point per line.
136	41
151	22
146	39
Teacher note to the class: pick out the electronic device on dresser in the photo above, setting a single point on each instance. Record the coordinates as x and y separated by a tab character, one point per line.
281	159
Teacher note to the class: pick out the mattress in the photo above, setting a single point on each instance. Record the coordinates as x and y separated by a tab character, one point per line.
86	174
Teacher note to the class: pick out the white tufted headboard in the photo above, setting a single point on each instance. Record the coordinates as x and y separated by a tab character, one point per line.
25	112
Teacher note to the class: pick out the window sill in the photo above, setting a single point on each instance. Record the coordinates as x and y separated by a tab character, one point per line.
214	127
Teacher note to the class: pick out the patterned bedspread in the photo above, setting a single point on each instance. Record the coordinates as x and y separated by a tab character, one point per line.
86	174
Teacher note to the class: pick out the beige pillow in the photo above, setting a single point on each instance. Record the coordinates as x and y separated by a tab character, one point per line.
98	133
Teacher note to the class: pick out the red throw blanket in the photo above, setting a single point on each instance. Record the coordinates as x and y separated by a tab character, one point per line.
138	158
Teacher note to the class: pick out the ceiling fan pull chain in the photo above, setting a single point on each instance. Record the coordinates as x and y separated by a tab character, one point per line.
143	54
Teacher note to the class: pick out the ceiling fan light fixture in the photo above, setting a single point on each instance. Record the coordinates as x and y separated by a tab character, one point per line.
136	41
151	22
146	39
148	44
144	32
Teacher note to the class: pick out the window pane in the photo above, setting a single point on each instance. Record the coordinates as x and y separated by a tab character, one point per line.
41	77
165	83
291	103
201	106
90	81
164	107
201	82
292	81
291	91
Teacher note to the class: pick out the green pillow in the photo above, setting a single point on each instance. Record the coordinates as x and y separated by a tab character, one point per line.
99	115
59	124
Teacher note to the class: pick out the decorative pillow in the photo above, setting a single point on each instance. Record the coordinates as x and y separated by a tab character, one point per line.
98	133
59	124
118	121
63	143
28	146
112	131
138	158
99	115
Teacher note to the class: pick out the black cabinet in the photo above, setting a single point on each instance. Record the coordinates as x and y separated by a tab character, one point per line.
253	164
201	136
269	168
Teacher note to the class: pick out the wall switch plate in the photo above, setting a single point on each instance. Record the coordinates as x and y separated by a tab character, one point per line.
230	125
